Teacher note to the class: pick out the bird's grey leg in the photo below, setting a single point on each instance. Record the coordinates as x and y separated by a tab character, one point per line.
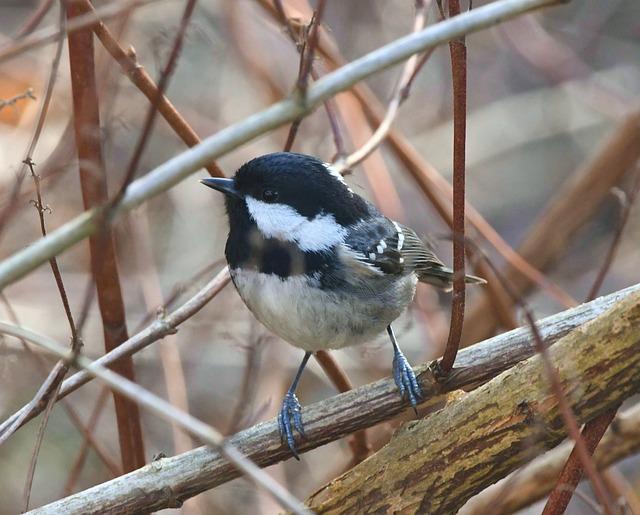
291	411
403	374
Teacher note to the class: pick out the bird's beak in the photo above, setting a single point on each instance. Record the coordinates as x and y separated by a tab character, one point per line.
226	186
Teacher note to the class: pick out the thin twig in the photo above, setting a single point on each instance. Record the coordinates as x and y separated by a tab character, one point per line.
49	34
458	50
136	73
152	112
154	332
360	446
60	370
76	468
572	472
594	430
34	19
73	416
401	94
160	407
104	265
15	99
307	50
626	203
568	417
42	116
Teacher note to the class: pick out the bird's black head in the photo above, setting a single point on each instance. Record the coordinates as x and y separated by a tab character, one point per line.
279	191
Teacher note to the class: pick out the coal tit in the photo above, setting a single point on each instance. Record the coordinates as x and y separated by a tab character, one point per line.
319	265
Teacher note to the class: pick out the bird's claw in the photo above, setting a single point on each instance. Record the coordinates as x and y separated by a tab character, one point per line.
406	380
290	412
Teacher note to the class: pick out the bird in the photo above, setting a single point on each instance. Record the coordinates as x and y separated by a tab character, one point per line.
320	266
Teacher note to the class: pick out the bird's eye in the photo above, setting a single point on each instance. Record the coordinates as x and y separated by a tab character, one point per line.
269	195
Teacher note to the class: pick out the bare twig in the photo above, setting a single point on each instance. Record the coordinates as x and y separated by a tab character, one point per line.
141	79
594	430
626	203
42	116
568	417
156	331
49	34
16	98
160	407
74	417
152	112
34	19
572	472
360	447
458	50
61	368
76	468
403	88
104	266
307	49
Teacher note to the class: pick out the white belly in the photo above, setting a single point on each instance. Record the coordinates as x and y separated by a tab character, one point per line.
315	319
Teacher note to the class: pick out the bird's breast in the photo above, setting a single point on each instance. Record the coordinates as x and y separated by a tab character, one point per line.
308	316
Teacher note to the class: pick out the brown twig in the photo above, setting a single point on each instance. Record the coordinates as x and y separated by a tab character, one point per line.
277	9
401	94
458	52
626	203
34	19
360	447
42	116
73	416
156	331
103	257
49	34
572	472
152	112
60	370
594	430
307	50
572	206
136	73
581	449
78	463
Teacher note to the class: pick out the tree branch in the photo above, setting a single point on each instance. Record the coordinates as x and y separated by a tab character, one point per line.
489	432
181	166
161	483
536	479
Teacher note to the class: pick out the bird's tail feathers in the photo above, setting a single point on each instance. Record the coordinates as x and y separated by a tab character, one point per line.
442	277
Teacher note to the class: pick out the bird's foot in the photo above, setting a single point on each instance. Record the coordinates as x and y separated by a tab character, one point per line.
406	380
290	412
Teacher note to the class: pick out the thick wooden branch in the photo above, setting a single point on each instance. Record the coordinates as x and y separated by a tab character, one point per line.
435	464
181	166
536	479
169	481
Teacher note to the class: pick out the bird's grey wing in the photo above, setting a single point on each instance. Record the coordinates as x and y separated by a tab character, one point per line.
384	247
388	247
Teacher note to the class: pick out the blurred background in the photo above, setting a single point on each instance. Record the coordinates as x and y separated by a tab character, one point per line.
546	94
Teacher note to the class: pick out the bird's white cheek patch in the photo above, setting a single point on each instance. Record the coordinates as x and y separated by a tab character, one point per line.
285	223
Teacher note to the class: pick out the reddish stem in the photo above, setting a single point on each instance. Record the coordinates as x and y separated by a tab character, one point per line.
103	257
458	52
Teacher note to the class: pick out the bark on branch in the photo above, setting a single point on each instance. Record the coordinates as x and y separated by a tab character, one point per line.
169	481
435	464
